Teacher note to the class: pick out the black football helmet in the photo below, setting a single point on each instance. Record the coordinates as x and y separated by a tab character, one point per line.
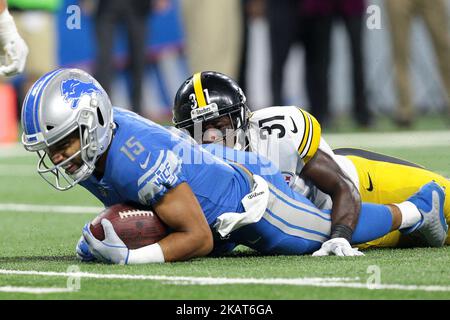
205	97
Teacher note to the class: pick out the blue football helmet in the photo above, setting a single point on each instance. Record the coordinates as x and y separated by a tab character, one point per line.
59	103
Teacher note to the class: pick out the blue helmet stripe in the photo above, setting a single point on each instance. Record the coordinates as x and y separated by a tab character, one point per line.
38	98
27	110
31	105
26	119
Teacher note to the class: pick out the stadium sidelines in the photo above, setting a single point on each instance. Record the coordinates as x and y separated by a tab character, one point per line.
177	280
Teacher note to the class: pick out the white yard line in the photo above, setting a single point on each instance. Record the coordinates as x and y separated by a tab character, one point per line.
34	290
336	140
314	282
18	207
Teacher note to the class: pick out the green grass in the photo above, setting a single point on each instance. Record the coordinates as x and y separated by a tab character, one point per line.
46	241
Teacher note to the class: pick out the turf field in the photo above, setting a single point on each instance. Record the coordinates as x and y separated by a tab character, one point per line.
39	228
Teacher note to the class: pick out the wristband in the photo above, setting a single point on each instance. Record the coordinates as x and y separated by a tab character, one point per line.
148	254
341	231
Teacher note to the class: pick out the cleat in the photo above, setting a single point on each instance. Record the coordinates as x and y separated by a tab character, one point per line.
432	228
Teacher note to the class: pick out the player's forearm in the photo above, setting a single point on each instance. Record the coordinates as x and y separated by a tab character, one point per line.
326	174
181	246
346	205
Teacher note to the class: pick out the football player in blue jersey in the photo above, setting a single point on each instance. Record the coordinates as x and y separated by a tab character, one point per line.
240	197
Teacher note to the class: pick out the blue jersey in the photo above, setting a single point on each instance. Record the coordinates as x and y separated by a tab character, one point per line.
146	160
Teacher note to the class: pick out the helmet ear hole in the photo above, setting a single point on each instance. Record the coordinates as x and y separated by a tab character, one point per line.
87	141
101	121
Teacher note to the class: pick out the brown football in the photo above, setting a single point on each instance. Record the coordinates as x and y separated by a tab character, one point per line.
137	227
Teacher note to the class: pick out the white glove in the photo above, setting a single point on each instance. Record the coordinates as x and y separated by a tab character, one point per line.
13	49
112	249
339	247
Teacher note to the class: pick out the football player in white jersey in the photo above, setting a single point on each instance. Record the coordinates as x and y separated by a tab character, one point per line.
291	138
13	50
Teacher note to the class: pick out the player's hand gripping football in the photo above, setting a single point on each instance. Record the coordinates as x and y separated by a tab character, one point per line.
82	251
339	247
111	250
13	49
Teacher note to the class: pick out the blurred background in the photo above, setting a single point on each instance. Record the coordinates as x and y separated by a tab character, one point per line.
356	65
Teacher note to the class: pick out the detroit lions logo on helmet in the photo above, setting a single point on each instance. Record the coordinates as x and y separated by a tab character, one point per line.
73	89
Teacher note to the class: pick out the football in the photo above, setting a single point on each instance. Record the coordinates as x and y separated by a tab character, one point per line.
137	227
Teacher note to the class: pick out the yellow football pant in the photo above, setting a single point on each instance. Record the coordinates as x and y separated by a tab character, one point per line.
394	183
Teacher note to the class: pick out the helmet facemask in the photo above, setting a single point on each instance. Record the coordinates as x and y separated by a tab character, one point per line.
56	174
226	128
62	105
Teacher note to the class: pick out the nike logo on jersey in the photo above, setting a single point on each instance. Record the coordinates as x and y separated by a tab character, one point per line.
103	191
145	164
295	126
254	241
370	188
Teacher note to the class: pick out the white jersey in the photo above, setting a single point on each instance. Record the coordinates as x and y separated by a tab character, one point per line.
290	137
